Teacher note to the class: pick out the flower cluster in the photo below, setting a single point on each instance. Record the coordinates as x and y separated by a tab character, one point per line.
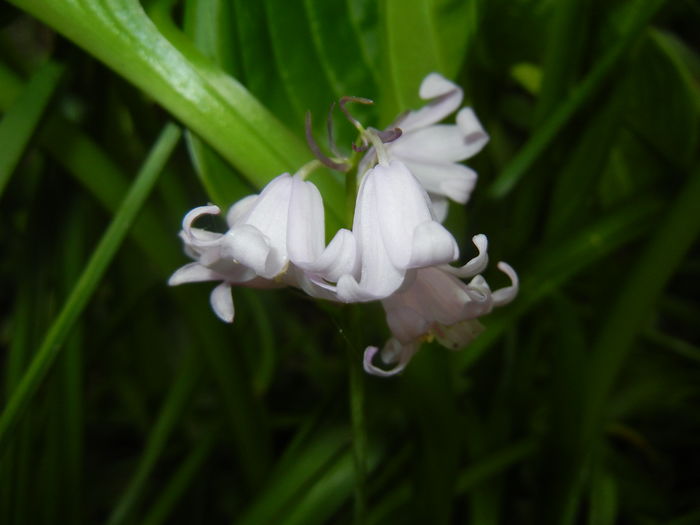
398	252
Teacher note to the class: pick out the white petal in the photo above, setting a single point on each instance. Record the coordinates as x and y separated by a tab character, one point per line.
439	143
401	206
474	135
306	229
440	206
239	209
393	350
432	245
446	98
435	85
269	213
350	291
192	273
505	295
222	302
379	275
475	265
455	181
339	257
250	247
195	236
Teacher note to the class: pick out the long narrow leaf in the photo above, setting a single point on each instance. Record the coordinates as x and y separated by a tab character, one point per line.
90	278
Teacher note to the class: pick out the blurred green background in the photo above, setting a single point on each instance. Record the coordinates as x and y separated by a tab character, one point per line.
125	401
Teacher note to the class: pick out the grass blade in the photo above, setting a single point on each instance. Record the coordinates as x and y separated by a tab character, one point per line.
545	134
171	412
21	120
90	278
163	507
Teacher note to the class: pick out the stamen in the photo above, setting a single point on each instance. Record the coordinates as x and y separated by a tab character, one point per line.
308	168
329	132
353	120
344	167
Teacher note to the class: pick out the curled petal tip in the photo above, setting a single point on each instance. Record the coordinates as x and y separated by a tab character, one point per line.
372	369
505	295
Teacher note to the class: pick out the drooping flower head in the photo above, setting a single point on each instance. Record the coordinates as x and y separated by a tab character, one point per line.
273	240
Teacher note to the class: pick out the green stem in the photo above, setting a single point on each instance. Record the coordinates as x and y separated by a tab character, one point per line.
359	432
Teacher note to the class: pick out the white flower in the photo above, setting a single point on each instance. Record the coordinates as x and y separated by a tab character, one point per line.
438	305
395	232
274	239
431	151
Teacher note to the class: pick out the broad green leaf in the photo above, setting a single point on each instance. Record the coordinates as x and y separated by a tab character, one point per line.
411	51
211	103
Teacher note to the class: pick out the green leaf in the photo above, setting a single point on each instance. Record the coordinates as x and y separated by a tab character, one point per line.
22	119
211	103
411	51
592	83
95	268
170	414
220	181
671	128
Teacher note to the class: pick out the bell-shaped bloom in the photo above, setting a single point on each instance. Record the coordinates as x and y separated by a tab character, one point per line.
438	305
274	239
432	151
395	232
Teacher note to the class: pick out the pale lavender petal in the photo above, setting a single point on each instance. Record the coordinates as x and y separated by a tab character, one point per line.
475	265
505	295
222	302
192	273
474	135
437	295
405	323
